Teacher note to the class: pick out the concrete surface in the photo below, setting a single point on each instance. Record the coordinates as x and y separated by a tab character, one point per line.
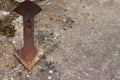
80	37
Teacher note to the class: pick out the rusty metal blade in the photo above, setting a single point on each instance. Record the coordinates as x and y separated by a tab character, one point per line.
29	54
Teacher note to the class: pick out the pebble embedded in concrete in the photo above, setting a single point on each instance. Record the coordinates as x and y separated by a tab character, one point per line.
49	77
51	71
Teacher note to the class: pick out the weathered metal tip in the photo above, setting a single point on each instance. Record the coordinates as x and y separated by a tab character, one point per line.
30	64
27	8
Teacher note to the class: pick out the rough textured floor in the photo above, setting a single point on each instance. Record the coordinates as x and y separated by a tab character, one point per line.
81	39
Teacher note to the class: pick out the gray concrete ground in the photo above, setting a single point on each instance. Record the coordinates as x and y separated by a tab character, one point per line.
80	37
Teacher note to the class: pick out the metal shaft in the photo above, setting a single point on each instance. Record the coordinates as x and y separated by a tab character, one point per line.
28	55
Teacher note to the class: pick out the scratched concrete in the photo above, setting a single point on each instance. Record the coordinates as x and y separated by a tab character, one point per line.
80	37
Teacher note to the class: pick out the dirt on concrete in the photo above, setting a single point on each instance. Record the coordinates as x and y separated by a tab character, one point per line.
80	38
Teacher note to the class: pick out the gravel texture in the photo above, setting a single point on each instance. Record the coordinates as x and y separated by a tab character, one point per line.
80	38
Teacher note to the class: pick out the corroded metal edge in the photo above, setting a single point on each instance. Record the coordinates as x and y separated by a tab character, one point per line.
29	65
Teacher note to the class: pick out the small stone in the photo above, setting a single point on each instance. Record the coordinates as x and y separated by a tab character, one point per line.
3	14
14	42
12	79
49	77
6	45
27	75
51	71
42	70
64	28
